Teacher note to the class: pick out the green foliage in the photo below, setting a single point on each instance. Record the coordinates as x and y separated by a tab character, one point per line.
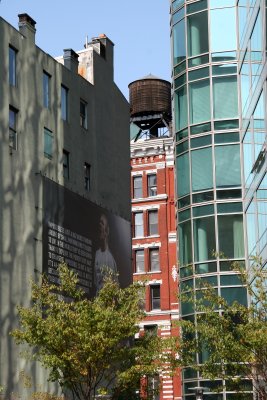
45	396
230	339
88	345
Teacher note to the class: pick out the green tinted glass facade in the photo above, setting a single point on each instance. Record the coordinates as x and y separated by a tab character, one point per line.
253	75
209	179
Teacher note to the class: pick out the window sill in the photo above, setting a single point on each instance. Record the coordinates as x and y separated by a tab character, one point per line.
145	237
151	198
147	273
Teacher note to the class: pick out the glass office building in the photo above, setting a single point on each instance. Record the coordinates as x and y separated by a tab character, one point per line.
211	118
253	74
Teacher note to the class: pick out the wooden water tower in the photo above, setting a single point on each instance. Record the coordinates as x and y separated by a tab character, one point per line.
150	104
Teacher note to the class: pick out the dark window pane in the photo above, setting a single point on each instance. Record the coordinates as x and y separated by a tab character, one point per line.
179	68
48	143
87	176
183	215
228	265
185	243
186	271
83	114
46	90
151	330
182	134
187	308
180	148
179	81
195	130
223	125
198	73
203	210
229	208
193	62
155	297
201	141
206	268
229	194
64	103
186	285
189	373
224	69
204	239
230	280
66	169
235	294
198	6
206	281
182	174
13	128
202	197
185	201
12	66
231	235
226	137
180	105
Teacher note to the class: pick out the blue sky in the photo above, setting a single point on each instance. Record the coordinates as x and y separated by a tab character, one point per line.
139	29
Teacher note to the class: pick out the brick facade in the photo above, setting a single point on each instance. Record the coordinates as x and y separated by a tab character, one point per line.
154	241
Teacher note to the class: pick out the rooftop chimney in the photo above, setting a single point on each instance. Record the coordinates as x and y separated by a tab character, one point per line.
27	26
71	60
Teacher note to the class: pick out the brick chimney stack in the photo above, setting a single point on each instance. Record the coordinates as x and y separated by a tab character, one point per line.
27	26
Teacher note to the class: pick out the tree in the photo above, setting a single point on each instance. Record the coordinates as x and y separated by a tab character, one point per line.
229	337
88	345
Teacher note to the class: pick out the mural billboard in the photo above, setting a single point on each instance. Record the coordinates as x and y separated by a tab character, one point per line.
90	239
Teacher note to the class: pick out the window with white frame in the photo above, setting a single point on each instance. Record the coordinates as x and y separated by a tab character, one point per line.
137	187
138	224
154	260
139	260
152	185
152	222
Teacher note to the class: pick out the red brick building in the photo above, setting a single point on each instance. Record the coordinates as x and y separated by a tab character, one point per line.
154	240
